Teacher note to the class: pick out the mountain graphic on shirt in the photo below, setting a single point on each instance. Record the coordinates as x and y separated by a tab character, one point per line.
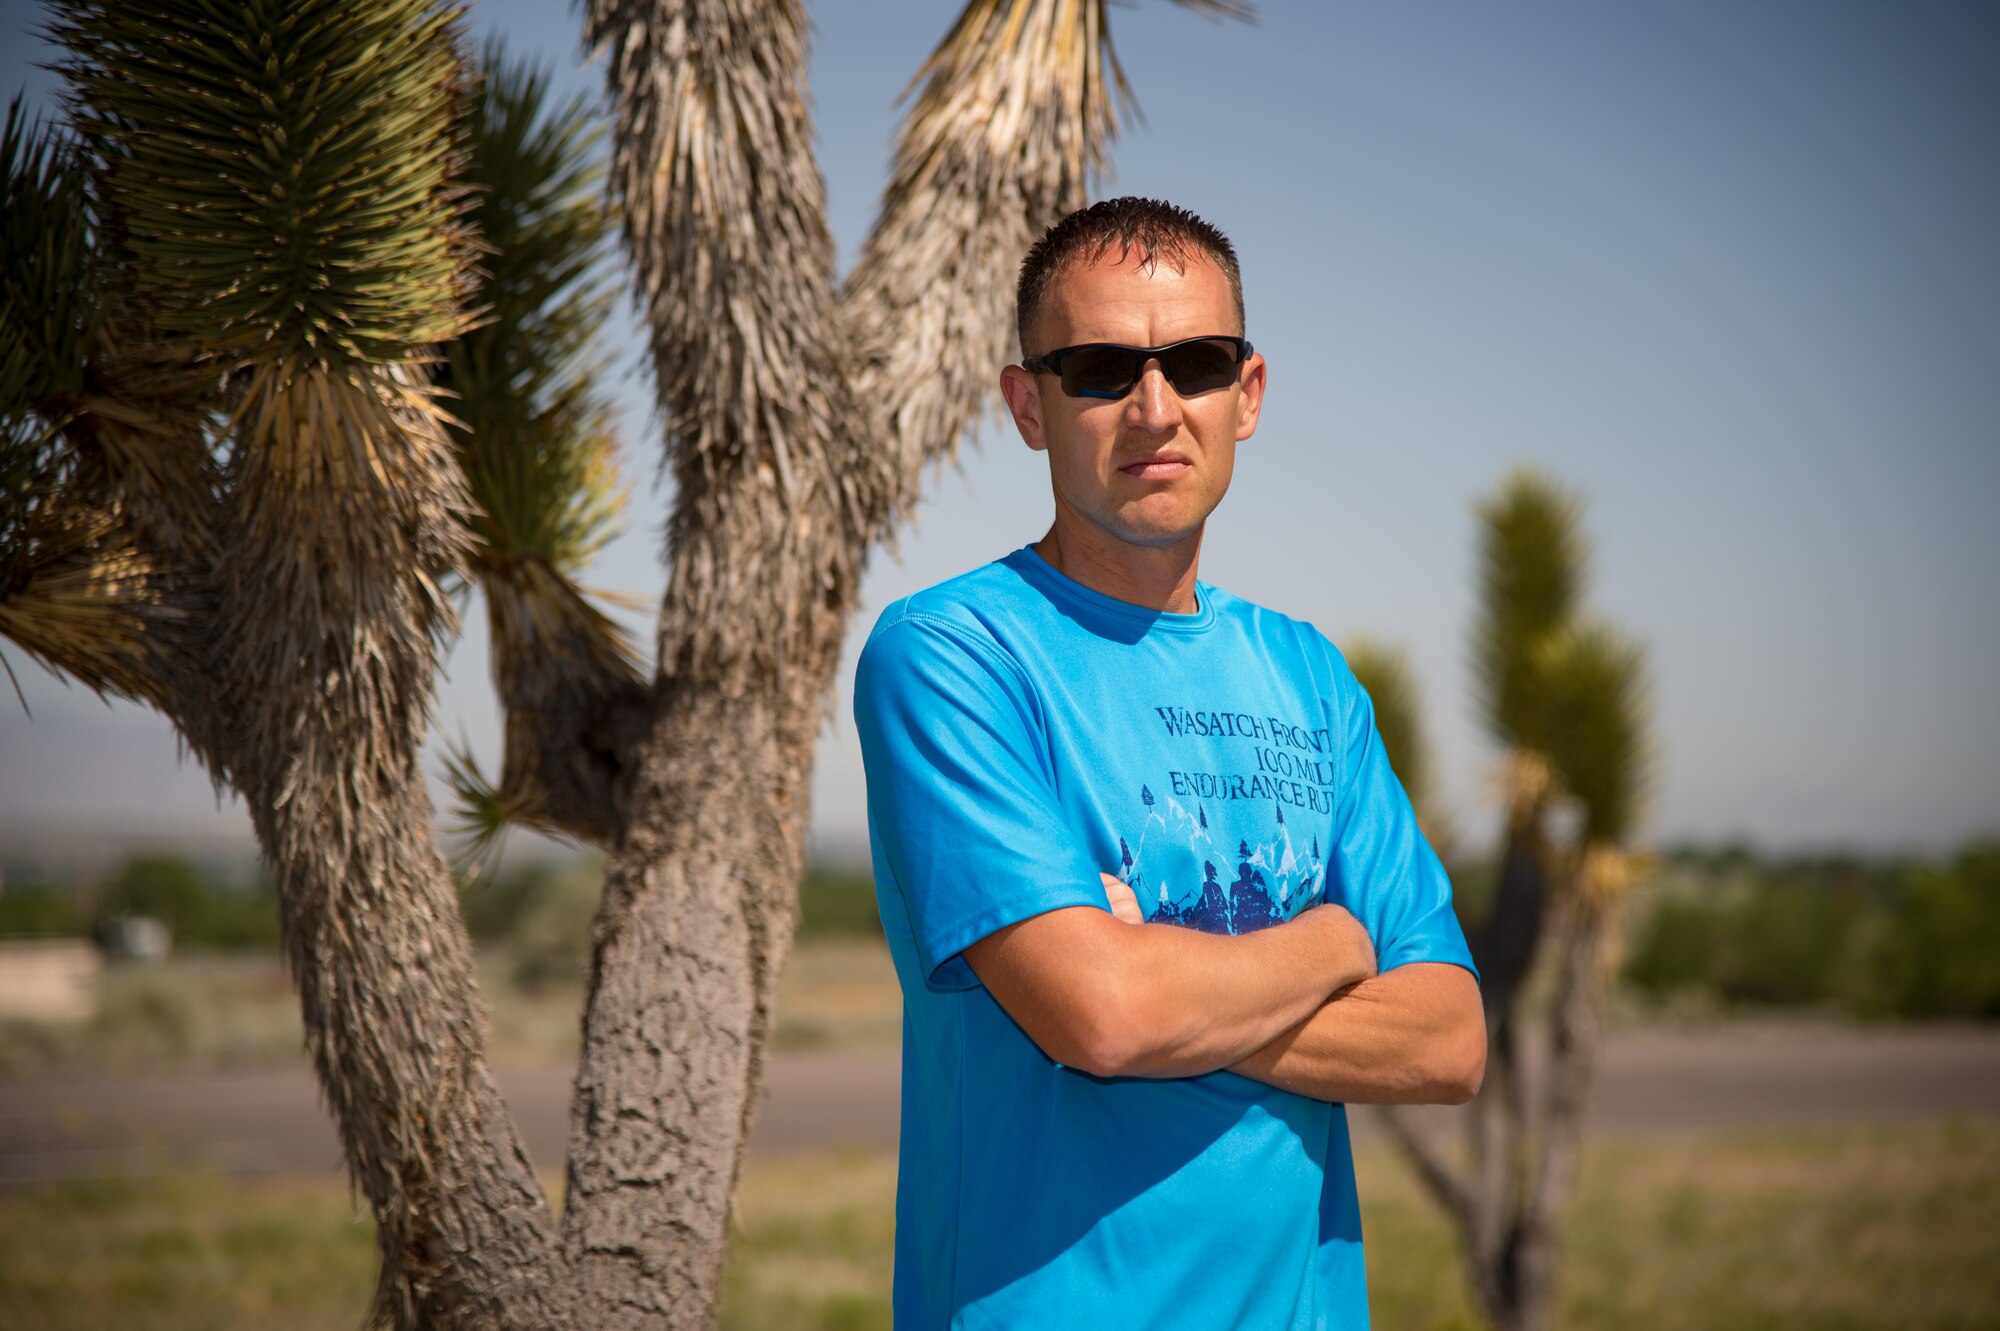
1261	884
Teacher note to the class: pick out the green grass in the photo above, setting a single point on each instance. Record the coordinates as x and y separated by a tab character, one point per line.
1824	1231
813	1245
183	1252
1815	1231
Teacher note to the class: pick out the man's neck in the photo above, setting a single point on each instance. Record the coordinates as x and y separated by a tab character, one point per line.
1160	578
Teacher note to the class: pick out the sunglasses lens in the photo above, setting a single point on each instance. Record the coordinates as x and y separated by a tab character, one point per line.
1099	371
1109	370
1199	367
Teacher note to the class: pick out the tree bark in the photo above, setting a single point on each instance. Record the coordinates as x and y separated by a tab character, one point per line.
778	499
329	634
690	940
296	658
393	1021
1491	1188
1577	1031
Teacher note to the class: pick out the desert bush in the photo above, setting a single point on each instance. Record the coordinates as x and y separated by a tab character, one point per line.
1903	941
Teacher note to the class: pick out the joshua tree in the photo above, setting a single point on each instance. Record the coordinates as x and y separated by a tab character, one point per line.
1568	700
232	489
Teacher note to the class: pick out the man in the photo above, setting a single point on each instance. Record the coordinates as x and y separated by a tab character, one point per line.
1158	906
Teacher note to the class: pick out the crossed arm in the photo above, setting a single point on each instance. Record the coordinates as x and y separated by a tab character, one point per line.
1299	1005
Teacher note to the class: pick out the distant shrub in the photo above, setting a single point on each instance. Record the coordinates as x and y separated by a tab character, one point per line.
1899	941
837	904
1676	948
40	912
200	913
1939	952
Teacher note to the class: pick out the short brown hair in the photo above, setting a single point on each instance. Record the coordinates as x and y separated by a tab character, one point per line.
1154	228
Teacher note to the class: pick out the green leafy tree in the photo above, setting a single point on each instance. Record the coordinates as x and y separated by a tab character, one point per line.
239	280
166	887
1939	955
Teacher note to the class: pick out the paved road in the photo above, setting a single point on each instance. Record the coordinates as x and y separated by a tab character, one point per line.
271	1121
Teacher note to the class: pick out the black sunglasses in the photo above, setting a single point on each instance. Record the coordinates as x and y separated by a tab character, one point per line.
1109	369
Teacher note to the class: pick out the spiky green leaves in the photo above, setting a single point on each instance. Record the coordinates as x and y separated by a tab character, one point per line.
1567	695
77	591
1598	732
79	596
533	428
278	168
1531	571
44	253
481	813
49	303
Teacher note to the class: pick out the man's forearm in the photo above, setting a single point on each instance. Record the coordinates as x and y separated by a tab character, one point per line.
1412	1035
1118	999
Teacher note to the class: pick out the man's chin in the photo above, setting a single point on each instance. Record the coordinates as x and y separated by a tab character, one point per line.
1156	536
1137	526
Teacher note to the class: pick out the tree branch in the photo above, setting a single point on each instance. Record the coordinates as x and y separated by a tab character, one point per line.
575	704
724	211
1576	1031
1014	117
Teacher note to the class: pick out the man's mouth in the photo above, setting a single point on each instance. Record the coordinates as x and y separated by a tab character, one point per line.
1156	466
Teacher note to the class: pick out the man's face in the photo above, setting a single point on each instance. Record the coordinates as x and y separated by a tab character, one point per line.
1148	468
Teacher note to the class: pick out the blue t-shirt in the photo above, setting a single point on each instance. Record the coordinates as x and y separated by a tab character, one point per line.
1021	733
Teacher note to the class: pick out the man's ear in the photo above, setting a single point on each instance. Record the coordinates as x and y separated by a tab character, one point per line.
1253	397
1024	404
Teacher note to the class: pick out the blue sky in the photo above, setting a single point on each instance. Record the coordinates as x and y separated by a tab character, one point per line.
1727	269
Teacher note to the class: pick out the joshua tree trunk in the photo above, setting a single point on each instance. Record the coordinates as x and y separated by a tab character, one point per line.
1576	1032
328	764
690	941
396	1029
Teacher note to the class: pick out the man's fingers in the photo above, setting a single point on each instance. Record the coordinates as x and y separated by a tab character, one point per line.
1124	904
1355	948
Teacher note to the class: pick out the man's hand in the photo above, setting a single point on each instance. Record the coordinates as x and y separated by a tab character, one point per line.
1105	997
1415	1034
1124	904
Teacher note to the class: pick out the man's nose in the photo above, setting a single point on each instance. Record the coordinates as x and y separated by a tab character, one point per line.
1154	405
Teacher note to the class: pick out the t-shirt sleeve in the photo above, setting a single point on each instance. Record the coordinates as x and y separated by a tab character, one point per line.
1384	869
961	793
